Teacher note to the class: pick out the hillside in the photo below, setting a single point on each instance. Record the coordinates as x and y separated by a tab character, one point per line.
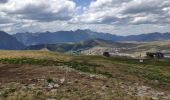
53	37
81	35
98	46
80	46
42	75
85	42
9	42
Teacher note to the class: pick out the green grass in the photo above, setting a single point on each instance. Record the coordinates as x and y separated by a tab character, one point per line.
82	66
150	69
147	73
50	80
7	92
155	62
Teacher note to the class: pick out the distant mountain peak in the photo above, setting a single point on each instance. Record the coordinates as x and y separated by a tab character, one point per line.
81	35
9	42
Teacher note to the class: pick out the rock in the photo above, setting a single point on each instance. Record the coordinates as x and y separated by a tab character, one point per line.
92	76
41	79
136	84
166	98
53	85
155	98
53	90
56	85
24	87
69	82
143	88
156	82
62	80
50	99
103	87
113	91
32	86
129	93
122	87
50	85
161	94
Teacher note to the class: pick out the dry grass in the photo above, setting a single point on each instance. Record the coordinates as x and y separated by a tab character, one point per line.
78	85
33	54
18	83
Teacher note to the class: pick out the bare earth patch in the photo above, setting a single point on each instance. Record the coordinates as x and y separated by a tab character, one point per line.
31	82
33	79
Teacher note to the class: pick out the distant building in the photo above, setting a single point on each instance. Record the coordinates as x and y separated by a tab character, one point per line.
157	55
106	54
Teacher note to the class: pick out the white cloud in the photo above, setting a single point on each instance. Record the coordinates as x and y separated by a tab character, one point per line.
125	12
113	16
40	10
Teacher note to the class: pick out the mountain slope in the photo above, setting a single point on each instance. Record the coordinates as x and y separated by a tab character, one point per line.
79	46
148	37
98	46
52	37
80	35
9	42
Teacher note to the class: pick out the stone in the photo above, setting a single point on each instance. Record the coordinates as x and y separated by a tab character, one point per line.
122	87
50	99
92	76
50	86
53	90
56	85
155	98
103	87
161	94
62	80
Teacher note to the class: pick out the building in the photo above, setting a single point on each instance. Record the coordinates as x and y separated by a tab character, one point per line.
106	54
157	55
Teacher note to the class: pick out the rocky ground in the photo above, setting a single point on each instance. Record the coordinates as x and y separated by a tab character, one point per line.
40	77
61	82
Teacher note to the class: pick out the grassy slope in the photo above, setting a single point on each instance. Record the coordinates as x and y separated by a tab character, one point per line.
152	72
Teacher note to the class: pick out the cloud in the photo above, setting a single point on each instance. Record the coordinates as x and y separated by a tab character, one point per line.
145	6
5	19
125	12
3	1
40	10
113	16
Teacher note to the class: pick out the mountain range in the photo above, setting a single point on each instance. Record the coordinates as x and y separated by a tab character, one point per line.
81	35
70	38
9	42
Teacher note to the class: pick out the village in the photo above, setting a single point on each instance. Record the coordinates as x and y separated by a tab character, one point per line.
109	52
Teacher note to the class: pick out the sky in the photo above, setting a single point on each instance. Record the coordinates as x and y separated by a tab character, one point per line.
121	17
